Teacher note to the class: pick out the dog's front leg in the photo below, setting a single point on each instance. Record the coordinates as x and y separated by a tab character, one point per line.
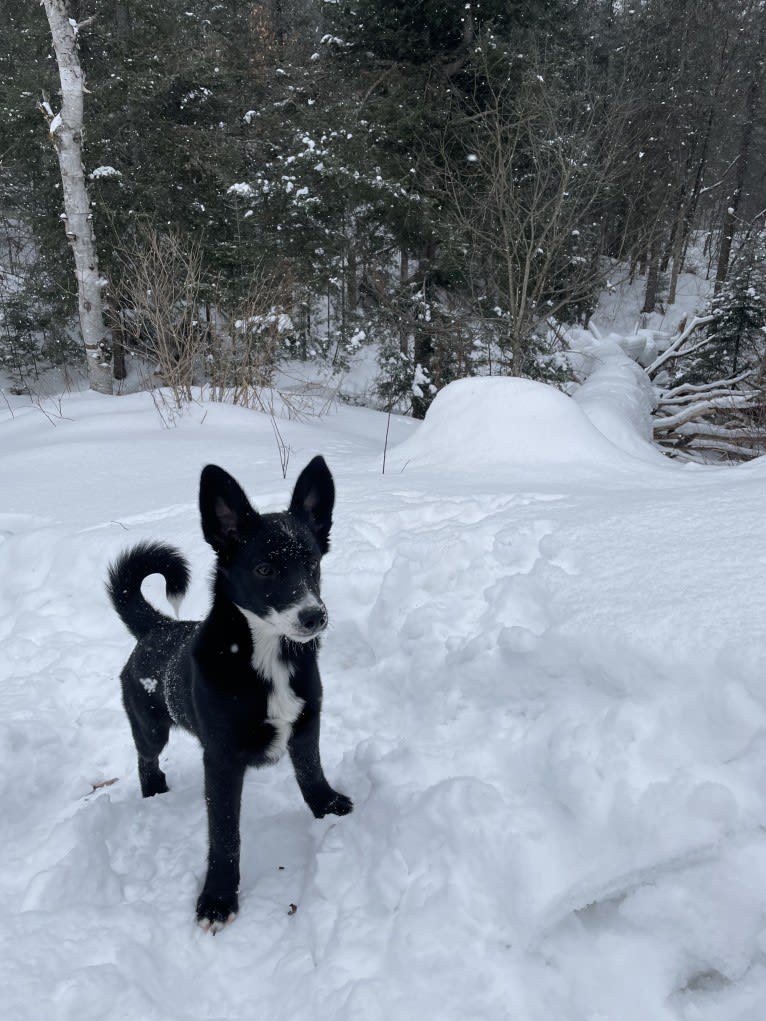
304	754
218	903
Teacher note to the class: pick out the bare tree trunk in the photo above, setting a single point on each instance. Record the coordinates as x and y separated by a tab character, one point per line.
677	254
732	203
652	279
118	349
66	130
279	27
404	272
352	279
423	344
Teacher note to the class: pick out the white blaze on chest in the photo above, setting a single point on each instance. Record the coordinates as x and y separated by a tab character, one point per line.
283	707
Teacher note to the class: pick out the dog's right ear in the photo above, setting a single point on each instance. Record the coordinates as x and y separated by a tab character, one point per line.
227	516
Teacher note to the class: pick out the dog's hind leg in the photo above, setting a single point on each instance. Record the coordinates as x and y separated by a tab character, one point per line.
150	776
150	725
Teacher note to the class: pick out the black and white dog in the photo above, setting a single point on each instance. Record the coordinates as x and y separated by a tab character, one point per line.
244	680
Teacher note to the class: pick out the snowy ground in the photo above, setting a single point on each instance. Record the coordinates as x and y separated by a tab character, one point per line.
545	692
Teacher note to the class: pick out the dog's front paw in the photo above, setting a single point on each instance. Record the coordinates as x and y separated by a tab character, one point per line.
213	913
334	804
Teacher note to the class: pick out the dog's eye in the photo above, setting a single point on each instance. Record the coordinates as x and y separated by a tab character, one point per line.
264	571
314	566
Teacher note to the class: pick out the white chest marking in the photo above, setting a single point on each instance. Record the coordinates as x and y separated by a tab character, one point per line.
283	706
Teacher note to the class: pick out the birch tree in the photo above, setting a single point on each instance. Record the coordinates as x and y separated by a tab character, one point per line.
66	129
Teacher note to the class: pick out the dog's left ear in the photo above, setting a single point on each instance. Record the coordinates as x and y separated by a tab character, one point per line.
313	499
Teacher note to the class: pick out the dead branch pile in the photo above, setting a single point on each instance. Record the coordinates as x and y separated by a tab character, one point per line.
720	420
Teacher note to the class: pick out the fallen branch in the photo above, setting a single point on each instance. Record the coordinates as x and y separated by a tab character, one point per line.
721	433
700	410
674	350
704	444
668	396
685	400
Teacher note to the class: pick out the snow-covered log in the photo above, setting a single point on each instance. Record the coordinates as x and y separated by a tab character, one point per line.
693	421
66	128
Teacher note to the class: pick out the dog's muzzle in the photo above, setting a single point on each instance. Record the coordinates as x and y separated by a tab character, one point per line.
313	620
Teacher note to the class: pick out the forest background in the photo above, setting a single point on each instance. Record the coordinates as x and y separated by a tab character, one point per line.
450	184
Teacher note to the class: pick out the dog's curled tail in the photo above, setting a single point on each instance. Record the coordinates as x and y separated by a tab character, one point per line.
128	572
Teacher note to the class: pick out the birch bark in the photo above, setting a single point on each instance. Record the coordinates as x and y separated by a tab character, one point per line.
66	129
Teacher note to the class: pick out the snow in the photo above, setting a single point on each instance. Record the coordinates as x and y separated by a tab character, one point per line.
241	190
619	306
544	689
104	173
482	422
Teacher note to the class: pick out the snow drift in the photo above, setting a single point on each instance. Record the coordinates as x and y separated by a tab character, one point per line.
492	420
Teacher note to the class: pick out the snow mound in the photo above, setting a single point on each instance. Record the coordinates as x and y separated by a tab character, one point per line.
495	420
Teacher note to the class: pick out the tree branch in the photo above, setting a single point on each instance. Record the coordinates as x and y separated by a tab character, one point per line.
674	349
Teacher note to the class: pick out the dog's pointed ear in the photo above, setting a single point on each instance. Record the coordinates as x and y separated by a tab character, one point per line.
313	500
227	516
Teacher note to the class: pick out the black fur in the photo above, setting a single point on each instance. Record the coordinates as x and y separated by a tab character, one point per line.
233	679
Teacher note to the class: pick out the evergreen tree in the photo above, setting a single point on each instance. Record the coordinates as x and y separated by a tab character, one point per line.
738	335
437	31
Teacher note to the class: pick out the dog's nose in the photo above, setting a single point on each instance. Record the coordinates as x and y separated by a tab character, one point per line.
313	619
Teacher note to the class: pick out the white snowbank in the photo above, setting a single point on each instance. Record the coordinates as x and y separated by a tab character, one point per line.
496	420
